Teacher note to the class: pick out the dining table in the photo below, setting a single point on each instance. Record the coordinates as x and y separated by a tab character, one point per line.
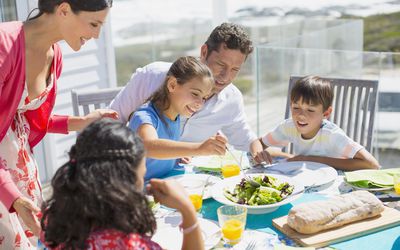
259	227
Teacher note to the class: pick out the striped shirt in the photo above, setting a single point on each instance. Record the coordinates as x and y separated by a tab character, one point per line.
330	141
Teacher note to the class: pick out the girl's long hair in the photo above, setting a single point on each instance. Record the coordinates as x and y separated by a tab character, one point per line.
97	188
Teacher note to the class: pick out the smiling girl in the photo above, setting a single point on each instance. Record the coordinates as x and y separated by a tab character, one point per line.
187	85
30	64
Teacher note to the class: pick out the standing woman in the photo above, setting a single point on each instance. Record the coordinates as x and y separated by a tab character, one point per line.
30	64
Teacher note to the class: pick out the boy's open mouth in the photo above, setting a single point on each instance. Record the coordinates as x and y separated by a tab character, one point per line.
301	124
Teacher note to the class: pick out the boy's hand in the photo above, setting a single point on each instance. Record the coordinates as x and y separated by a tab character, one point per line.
299	158
263	156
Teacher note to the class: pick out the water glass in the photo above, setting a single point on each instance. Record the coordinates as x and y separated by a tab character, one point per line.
232	220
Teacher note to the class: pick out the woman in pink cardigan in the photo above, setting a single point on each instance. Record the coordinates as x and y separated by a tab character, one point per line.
30	64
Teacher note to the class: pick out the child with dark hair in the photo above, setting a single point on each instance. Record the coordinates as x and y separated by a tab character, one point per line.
313	137
97	200
158	122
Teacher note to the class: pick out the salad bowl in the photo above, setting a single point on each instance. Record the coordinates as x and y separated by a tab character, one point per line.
219	190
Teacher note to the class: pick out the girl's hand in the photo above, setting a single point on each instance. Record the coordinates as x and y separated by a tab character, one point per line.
263	156
27	211
215	145
170	193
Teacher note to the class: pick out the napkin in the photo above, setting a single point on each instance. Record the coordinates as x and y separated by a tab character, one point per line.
372	178
264	240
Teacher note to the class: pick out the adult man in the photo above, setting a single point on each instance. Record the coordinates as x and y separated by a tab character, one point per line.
224	52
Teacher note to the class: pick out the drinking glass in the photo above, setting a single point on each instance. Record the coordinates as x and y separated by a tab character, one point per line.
396	183
195	189
229	166
232	220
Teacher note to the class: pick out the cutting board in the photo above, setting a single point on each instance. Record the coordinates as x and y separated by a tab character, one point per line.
388	218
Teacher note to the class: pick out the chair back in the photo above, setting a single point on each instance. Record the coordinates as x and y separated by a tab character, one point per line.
90	100
354	106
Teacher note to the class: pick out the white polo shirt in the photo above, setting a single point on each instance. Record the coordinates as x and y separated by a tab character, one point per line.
223	112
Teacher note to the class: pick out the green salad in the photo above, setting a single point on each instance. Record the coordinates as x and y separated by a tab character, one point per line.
270	191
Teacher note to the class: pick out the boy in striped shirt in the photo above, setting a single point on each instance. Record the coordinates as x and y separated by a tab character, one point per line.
313	136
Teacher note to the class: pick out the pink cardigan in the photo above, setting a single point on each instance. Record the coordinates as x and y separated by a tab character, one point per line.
12	81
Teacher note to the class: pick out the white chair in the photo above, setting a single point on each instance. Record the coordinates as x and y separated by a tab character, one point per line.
99	98
354	107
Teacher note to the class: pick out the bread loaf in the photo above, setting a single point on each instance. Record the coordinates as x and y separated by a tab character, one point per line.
316	216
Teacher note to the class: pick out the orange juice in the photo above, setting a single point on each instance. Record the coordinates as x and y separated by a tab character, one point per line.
197	201
232	229
396	182
230	170
397	188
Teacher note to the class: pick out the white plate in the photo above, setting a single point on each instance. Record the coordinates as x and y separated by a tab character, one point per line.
212	180
306	172
169	236
218	193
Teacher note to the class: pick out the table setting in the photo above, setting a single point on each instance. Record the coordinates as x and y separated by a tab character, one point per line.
310	181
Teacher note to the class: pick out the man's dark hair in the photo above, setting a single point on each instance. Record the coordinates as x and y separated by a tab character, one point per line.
231	35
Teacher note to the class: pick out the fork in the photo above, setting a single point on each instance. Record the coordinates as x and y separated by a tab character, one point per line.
251	245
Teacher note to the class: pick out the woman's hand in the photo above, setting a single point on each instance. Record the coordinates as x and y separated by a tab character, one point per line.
27	211
170	193
100	113
76	123
215	145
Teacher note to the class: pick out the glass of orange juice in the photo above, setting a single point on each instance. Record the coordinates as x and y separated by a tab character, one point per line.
396	183
232	220
229	166
195	189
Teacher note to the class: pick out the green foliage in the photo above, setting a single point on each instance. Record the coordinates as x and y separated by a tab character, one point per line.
382	32
244	84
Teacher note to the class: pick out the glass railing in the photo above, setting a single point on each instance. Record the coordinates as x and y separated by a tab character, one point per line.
275	65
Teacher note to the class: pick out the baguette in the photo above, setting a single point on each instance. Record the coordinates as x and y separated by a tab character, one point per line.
316	216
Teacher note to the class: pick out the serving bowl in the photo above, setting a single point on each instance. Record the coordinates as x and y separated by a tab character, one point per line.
217	192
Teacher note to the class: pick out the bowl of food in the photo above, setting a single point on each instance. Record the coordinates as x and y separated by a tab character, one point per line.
273	192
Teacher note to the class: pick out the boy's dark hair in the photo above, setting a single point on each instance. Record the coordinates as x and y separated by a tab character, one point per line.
232	35
314	90
97	188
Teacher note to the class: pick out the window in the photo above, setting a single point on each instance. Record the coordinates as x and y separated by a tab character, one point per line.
8	10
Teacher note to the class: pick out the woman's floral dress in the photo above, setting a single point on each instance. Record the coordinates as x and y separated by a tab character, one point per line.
16	156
